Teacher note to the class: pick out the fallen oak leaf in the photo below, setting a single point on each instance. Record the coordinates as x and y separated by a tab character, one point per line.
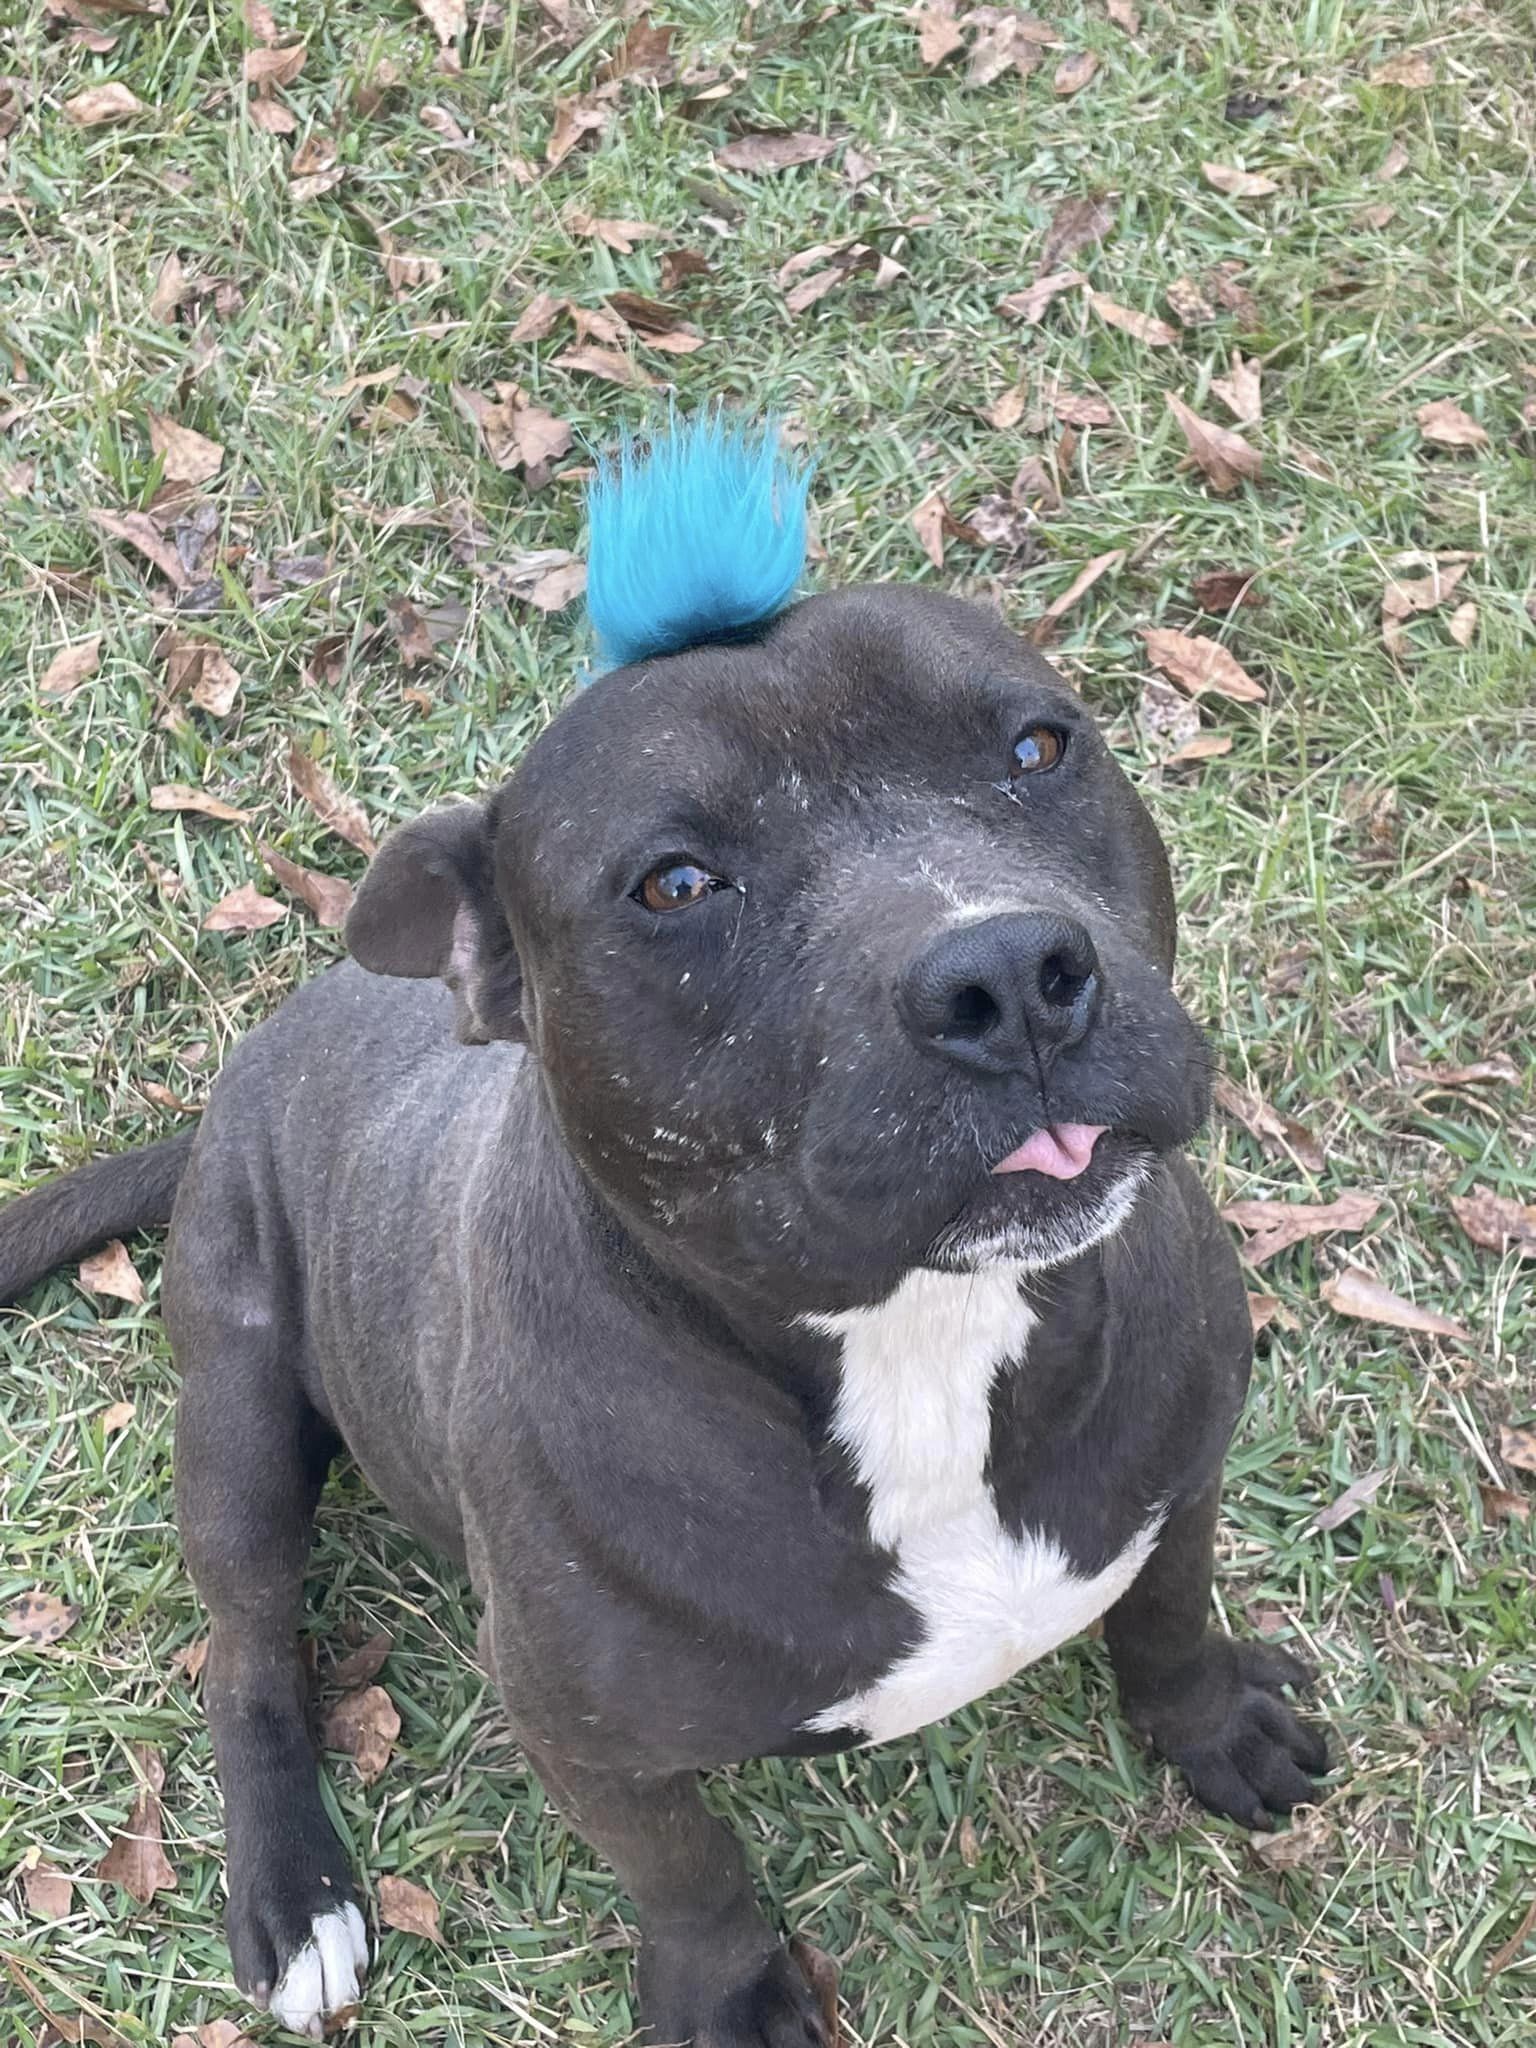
1242	392
50	1894
343	814
1225	458
1275	1226
137	1860
1351	1292
1443	422
933	522
1205	746
576	117
409	1908
244	910
200	668
328	896
1005	40
676	264
267	68
272	116
102	103
1517	1447
364	1725
1405	597
618	235
40	1618
1462	624
1499	1068
939	33
140	531
180	796
1078	221
1196	664
1238	184
111	1271
1029	305
1263	1122
171	288
1143	327
1074	71
363	1665
761	155
186	456
1358	1494
1219	590
606	363
1496	1222
1082	409
547	578
514	433
1081	583
71	667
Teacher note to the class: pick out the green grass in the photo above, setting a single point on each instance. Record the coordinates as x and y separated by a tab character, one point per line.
1100	1909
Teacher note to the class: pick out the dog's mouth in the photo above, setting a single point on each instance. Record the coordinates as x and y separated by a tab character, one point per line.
1061	1189
1059	1151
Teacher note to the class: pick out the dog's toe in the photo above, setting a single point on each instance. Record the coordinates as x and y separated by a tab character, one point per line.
324	1977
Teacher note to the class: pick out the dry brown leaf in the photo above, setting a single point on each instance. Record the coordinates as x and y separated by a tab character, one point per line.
1205	746
1219	590
1443	422
50	1894
1395	160
1076	223
409	1908
1238	184
244	910
1082	409
1358	1494
1499	1068
328	896
1029	305
677	264
1275	1226
1082	582
1188	303
577	117
214	2034
996	522
1352	1292
1500	1505
1517	1447
1124	15
1197	664
261	21
267	68
1010	408
1263	1309
1462	624
364	1725
189	1660
273	117
1223	457
17	478
1005	41
1304	1845
120	1414
137	1859
645	55
1242	392
762	154
939	34
547	578
201	669
538	317
1497	1222
407	273
821	1974
1145	327
41	1618
171	287
618	235
99	103
1074	71
140	532
447	19
111	1271
606	363
930	522
513	433
187	456
363	1665
1267	1124
413	641
70	667
1411	69
180	796
1404	597
1375	217
343	814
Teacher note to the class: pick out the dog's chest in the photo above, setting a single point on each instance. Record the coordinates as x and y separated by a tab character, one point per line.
914	1414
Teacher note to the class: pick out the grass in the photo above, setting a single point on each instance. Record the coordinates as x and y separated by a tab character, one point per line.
1094	1906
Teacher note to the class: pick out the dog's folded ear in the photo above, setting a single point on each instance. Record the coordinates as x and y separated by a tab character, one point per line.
428	907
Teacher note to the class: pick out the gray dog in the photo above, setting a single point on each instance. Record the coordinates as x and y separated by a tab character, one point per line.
732	1204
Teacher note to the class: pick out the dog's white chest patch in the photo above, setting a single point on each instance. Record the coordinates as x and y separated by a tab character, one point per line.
914	1413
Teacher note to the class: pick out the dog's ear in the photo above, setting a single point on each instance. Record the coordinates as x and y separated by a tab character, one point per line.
427	906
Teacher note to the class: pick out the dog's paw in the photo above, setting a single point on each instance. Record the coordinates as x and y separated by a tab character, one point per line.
1241	1746
323	1979
299	1948
685	2004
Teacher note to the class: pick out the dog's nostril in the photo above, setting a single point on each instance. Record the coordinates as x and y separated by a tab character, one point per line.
1060	982
972	1013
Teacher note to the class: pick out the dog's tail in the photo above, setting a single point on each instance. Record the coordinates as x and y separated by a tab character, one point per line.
73	1214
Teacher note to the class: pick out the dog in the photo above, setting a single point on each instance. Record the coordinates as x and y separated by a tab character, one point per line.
732	1203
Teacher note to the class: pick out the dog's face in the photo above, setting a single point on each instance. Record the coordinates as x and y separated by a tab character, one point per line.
819	933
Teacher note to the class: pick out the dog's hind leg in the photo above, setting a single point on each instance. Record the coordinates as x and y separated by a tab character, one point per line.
251	1456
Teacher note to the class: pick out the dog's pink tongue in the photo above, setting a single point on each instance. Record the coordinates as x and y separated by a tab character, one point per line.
1060	1150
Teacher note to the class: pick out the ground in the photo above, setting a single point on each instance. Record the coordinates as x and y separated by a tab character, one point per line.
1355	875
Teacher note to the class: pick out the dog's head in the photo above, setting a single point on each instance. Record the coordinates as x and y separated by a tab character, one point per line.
842	951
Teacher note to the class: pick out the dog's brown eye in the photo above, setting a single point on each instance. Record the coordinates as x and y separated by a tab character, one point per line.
1039	748
676	884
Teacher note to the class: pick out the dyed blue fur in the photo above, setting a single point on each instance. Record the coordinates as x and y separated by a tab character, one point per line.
701	538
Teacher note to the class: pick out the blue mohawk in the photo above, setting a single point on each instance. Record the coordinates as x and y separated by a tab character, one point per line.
701	538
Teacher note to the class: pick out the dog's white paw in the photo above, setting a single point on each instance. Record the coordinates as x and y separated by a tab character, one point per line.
325	1976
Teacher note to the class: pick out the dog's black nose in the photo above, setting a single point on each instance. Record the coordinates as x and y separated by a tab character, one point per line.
1005	992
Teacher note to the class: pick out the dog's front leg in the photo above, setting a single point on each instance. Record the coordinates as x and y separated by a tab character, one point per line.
711	1972
1211	1705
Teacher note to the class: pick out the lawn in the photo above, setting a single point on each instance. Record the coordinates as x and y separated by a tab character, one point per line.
1355	874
